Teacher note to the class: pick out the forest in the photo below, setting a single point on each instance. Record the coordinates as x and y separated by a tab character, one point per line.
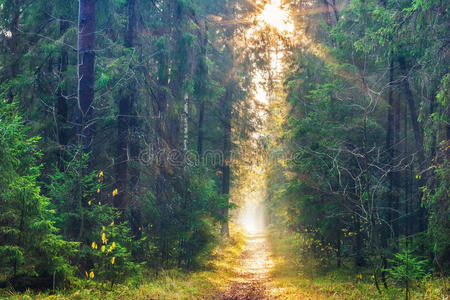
224	149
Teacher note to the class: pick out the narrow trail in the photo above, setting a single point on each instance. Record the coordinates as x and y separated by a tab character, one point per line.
253	277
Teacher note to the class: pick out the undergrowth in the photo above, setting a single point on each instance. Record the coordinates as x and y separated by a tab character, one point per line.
297	278
211	279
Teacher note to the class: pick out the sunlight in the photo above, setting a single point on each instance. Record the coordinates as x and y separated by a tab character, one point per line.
260	93
277	17
252	217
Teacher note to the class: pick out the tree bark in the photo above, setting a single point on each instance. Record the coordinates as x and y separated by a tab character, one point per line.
358	243
125	111
86	73
62	109
327	13
162	146
200	129
186	123
417	129
393	195
336	11
419	137
201	90
226	172
14	48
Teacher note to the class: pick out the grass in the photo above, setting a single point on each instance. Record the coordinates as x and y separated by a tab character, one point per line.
170	284
310	280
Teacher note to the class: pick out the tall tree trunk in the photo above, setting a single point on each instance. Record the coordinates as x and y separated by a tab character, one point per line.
186	123
434	132
328	18
226	172
14	48
419	137
395	178
390	147
86	81
227	114
162	146
86	74
417	129
406	175
336	11
200	129
177	75
62	109
358	243
447	132
338	249
201	90
327	13
125	111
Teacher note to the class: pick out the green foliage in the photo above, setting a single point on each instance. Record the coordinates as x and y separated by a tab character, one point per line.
112	259
351	128
187	220
76	199
365	133
29	244
406	267
437	192
146	60
89	218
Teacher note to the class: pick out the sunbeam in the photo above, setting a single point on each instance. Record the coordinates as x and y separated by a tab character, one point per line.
277	17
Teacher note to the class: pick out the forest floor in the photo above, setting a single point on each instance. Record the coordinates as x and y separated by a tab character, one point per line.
212	278
271	267
295	277
258	266
253	272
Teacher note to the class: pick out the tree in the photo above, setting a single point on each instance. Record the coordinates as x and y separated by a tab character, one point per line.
407	268
126	104
29	244
86	73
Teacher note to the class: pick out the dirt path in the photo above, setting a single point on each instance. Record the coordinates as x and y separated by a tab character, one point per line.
254	271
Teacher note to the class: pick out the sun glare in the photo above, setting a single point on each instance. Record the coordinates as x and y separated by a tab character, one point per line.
275	16
252	217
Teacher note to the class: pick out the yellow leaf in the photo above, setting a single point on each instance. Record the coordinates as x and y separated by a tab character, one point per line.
112	223
113	260
91	275
87	275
